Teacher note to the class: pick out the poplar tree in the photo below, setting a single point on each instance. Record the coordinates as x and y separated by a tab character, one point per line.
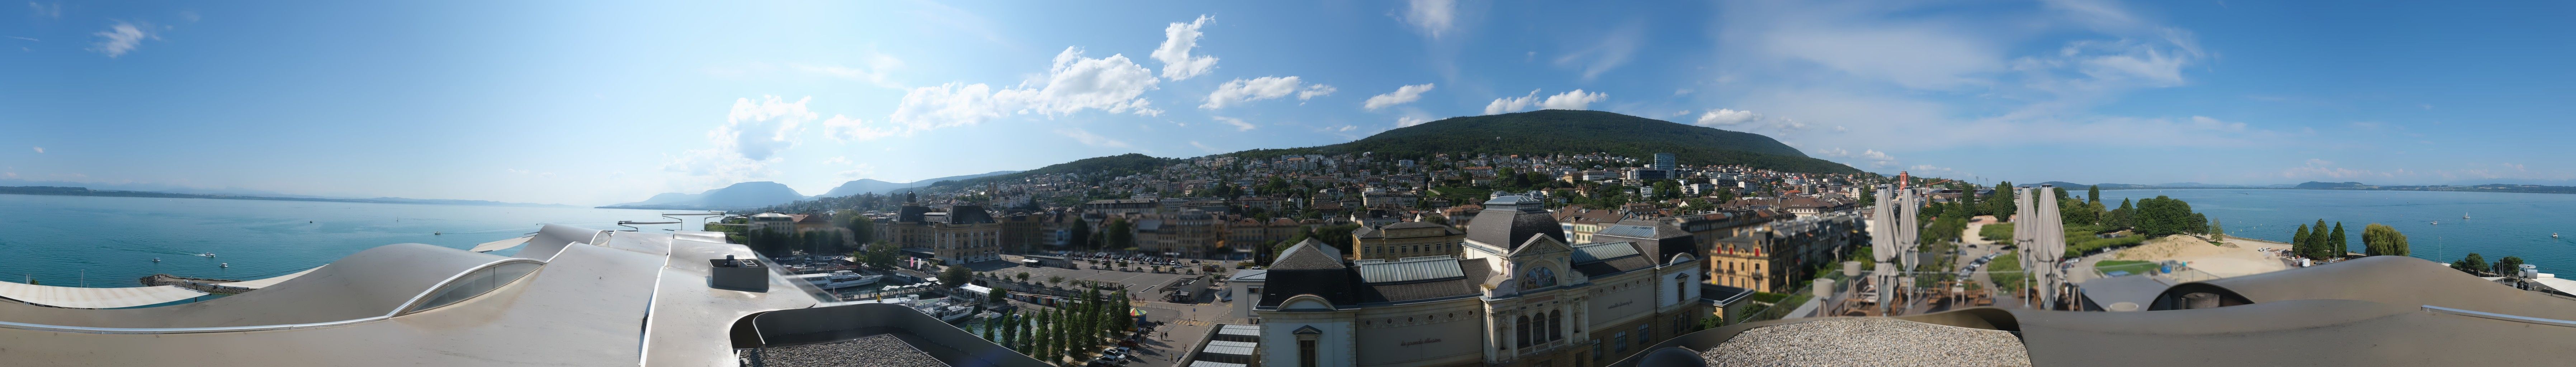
2317	241
2299	241
2335	243
2093	194
1041	344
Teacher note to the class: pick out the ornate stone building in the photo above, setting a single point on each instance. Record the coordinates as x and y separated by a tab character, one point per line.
963	234
1406	239
1517	295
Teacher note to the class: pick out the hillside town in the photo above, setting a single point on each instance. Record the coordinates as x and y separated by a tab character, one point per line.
1252	208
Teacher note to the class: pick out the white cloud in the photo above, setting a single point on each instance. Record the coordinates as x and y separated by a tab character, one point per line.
1073	84
758	131
1238	91
1433	17
845	129
1087	138
54	10
1316	90
1346	128
40	150
515	171
1410	121
2207	123
837	160
878	70
1178	39
1875	155
2319	168
122	38
1834	153
1401	95
1723	117
1195	143
1606	53
1575	100
1239	125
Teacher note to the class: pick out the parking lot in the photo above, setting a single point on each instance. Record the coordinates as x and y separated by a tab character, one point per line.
1141	285
1179	326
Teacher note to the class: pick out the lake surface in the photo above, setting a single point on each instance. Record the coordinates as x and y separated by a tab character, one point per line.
111	241
2500	224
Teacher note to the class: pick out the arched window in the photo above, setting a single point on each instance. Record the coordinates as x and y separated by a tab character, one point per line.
1538	277
1556	325
1521	331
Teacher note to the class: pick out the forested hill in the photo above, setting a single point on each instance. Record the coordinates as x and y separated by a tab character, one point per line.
1570	131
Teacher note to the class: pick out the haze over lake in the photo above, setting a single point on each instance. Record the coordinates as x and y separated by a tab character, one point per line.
55	238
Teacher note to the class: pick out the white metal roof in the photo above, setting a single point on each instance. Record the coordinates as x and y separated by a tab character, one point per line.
82	297
264	283
502	244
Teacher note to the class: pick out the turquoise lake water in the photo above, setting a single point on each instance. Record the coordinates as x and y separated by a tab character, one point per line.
2500	224
112	240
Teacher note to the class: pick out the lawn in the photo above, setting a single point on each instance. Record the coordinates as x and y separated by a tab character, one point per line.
2006	271
2131	266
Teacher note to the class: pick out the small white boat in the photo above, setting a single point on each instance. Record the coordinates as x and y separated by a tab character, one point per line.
841	279
945	310
2553	234
2464	215
209	254
2437	222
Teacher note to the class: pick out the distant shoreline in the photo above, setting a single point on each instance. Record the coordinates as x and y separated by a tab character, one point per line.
82	191
2522	189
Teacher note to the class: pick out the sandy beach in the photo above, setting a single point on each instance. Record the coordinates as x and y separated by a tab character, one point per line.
2238	257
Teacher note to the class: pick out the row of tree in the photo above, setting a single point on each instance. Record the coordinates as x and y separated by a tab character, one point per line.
2475	263
2321	243
1069	331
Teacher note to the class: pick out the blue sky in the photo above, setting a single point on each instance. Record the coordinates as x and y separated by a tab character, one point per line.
605	102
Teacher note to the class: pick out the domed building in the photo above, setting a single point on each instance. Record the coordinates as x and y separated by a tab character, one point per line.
1525	296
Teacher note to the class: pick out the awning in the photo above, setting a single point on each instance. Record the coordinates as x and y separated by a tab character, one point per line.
263	283
80	297
502	244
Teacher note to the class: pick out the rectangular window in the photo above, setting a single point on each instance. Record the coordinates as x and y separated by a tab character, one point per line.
1621	340
1596	351
1644	332
1306	353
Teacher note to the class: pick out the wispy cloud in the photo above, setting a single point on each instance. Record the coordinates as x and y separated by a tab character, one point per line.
877	69
1401	95
1432	17
28	39
122	38
40	150
1088	138
1726	117
54	10
1239	125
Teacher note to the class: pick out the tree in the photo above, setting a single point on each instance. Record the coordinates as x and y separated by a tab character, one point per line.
1081	234
2317	243
2380	239
2217	233
1121	234
997	296
2093	194
862	229
1043	342
1010	329
2299	242
955	275
2473	263
2509	266
2335	243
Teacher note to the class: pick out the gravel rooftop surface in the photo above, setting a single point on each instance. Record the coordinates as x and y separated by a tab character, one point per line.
880	350
1868	342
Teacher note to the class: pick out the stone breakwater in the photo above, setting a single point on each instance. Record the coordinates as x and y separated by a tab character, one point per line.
1869	342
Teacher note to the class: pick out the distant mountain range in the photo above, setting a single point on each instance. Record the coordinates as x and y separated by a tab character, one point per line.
870	185
737	196
1573	131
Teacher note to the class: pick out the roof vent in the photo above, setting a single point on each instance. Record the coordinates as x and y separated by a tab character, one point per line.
747	275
